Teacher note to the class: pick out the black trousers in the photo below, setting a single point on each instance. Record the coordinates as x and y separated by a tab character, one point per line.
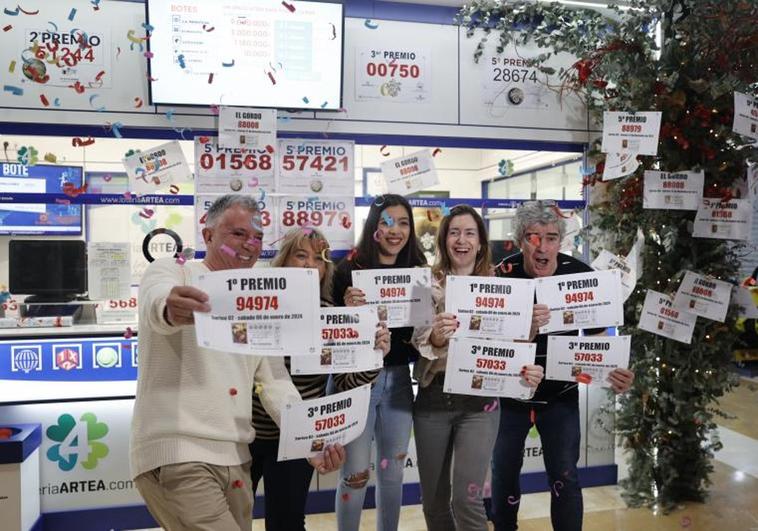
286	486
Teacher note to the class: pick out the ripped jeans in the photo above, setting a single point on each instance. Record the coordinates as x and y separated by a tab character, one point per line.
389	423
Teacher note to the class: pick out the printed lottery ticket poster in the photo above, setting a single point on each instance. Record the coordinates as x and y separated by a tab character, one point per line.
582	300
410	173
347	343
661	318
308	426
393	76
745	115
480	367
703	296
402	297
315	167
625	132
234	170
267	311
673	191
266	220
490	307
607	260
157	168
729	220
245	127
332	215
108	270
587	359
619	165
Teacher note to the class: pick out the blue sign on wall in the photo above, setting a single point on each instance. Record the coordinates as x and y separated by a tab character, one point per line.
72	359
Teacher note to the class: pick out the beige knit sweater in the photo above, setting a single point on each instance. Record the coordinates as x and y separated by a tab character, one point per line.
193	403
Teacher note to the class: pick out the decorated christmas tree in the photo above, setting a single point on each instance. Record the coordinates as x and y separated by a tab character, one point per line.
705	52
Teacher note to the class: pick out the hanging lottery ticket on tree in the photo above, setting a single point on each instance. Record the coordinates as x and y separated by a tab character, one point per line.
233	170
704	296
490	307
673	190
333	216
245	127
581	300
481	367
625	132
588	359
347	343
307	427
402	297
724	220
314	167
660	317
157	168
745	115
607	260
270	311
264	221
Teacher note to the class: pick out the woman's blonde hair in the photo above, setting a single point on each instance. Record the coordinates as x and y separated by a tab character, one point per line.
296	239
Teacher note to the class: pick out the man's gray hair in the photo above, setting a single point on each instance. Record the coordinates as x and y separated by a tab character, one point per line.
224	203
542	212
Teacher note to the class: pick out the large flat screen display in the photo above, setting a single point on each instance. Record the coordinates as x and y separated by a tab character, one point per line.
38	218
257	53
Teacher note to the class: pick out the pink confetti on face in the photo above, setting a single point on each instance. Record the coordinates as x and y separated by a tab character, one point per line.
534	240
228	250
384	463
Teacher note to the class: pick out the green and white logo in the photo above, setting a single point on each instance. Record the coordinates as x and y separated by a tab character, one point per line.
77	442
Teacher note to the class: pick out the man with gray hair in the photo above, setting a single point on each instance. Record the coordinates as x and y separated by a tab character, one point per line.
554	408
192	418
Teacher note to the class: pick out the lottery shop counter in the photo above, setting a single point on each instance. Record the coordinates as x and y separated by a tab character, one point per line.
78	382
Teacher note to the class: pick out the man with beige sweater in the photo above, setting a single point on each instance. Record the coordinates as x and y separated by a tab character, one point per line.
193	413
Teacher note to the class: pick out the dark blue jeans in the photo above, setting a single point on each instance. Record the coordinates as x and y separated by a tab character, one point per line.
558	425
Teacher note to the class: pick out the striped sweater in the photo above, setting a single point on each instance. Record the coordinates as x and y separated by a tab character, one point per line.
310	386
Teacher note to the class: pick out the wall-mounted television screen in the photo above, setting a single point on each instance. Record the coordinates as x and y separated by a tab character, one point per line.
38	218
257	53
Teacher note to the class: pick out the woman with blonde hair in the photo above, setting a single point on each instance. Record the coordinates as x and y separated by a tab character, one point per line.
287	482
